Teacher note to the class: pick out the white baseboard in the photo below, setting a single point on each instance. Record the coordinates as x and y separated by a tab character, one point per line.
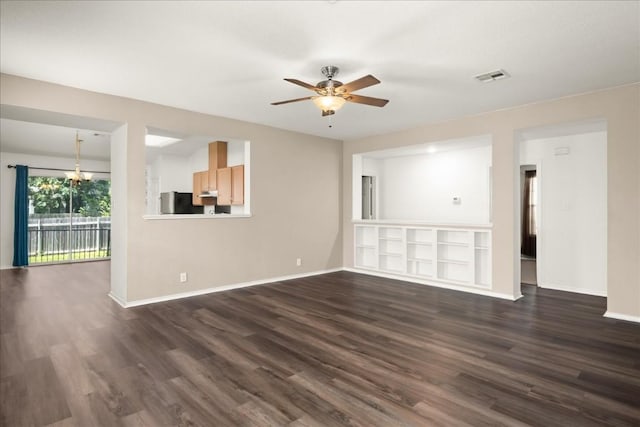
471	290
136	303
118	300
620	316
12	267
45	264
584	291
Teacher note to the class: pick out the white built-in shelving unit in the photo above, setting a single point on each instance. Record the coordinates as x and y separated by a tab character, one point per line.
455	255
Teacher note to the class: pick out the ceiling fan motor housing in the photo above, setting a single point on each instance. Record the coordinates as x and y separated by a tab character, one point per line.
328	84
330	71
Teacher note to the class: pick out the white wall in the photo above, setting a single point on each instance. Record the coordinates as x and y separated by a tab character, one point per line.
8	183
174	173
572	231
119	206
422	186
371	167
198	162
235	153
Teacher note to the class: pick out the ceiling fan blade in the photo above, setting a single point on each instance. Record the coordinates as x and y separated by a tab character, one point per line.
359	99
361	83
291	100
301	83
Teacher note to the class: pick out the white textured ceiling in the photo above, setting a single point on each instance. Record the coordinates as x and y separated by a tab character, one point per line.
229	58
18	136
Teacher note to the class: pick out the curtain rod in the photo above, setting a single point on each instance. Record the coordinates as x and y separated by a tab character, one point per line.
56	169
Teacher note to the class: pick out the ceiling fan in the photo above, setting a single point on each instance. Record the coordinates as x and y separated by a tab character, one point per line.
332	94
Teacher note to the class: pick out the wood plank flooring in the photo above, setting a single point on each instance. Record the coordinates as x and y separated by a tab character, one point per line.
340	349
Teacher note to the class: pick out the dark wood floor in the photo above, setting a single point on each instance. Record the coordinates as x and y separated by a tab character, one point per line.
337	349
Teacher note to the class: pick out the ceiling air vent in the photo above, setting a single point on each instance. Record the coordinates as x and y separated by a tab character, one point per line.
492	76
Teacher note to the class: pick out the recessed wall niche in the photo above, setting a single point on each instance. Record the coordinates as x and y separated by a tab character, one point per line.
444	182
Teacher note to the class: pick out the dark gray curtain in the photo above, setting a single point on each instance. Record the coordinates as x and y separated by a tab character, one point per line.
529	215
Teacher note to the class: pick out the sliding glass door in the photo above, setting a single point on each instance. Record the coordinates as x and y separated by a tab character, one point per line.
68	222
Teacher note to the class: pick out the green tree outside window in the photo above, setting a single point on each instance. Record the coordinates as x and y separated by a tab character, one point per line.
51	196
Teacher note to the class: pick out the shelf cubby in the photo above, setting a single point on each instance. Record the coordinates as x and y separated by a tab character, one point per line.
391	263
390	233
419	267
453	271
421	251
366	257
453	237
420	236
366	236
391	249
453	253
481	240
482	267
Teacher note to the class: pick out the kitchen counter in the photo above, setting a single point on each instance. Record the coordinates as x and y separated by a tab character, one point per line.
194	216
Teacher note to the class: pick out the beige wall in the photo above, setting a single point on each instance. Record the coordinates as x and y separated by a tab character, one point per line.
619	106
296	198
301	201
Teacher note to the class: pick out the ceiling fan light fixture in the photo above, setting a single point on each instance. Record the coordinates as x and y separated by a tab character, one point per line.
76	176
326	103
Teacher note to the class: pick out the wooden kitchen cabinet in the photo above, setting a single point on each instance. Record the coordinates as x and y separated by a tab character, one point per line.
200	185
230	183
217	160
197	189
204	181
223	178
237	185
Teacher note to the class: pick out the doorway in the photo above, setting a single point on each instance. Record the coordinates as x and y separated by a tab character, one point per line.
528	224
563	218
68	222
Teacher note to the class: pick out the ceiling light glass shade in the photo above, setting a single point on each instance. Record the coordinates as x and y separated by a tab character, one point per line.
326	103
74	176
77	176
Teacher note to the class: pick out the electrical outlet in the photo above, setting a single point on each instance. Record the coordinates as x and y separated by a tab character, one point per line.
298	262
183	277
